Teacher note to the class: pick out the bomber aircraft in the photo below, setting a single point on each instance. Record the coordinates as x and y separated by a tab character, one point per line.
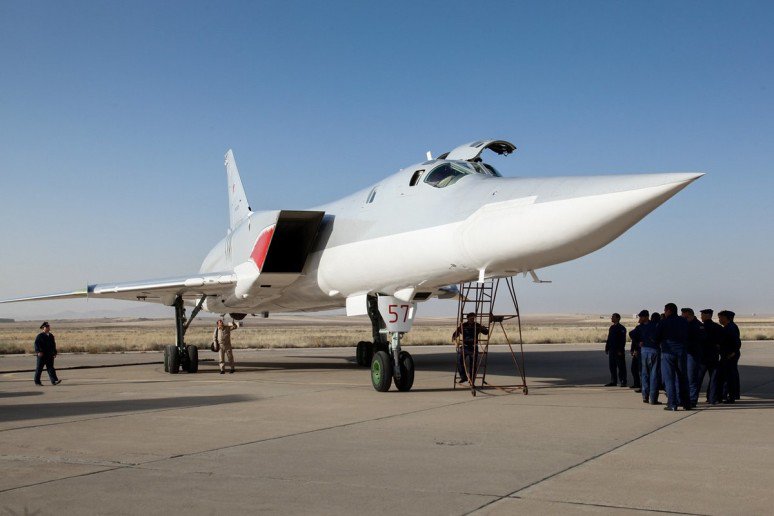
406	239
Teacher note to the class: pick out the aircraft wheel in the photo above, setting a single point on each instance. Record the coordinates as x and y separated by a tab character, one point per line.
381	371
166	359
406	372
361	354
174	360
193	359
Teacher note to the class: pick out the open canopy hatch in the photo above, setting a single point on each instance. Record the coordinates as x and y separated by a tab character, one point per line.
472	151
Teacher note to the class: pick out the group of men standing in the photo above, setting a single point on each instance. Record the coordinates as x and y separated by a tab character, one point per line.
676	352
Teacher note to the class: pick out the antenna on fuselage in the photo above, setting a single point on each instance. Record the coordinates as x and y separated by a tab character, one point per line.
429	156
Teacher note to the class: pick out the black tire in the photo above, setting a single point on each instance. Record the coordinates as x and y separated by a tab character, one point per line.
406	372
166	359
193	359
381	371
368	353
360	355
174	360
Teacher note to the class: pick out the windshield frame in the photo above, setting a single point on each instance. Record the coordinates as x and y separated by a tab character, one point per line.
461	170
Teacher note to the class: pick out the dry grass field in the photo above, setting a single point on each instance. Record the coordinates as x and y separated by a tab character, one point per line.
117	335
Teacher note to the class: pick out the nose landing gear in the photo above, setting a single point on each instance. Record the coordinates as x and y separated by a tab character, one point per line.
389	363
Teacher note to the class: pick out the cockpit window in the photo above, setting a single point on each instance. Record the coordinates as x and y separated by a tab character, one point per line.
487	170
492	170
415	177
446	174
371	196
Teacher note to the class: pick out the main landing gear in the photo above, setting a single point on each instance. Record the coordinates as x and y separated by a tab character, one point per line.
386	360
181	356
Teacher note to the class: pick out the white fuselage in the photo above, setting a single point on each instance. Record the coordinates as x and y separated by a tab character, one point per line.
419	238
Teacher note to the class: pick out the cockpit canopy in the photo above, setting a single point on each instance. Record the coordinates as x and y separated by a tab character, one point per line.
462	161
449	172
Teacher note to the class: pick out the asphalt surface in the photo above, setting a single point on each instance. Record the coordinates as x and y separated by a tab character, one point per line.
303	432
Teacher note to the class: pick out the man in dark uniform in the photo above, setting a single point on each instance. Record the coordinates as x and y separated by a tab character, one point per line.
45	350
637	335
651	361
713	333
615	347
672	335
694	347
467	352
730	351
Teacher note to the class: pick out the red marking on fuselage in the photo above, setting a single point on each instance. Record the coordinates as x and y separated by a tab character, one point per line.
261	247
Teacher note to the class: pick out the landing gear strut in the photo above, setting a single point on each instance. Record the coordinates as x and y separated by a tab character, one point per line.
367	350
182	356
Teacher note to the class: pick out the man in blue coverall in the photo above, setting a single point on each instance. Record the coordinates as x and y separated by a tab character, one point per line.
45	351
672	335
695	349
651	361
615	347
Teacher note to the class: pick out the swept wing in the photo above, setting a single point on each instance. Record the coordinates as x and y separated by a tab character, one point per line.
158	290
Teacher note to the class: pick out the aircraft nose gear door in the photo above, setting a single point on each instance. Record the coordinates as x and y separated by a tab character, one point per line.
397	365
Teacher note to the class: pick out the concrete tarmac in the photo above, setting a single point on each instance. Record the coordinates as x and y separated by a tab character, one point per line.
303	432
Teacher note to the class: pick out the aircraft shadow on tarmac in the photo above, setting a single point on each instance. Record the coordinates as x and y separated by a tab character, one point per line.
93	408
19	394
582	368
565	368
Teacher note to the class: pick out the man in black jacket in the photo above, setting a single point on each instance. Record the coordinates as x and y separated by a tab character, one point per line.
467	350
615	347
710	356
637	336
45	350
730	351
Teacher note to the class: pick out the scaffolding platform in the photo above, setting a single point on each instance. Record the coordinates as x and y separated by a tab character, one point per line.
479	298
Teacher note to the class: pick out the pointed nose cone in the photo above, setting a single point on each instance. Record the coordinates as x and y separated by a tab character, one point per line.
592	216
568	218
673	182
627	200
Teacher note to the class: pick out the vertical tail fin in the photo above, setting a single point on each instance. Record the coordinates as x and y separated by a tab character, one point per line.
238	206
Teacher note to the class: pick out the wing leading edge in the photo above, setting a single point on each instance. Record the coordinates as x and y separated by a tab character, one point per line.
159	291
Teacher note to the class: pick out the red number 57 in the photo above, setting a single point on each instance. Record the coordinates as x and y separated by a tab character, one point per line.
394	316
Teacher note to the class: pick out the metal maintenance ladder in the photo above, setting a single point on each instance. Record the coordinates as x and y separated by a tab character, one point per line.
479	298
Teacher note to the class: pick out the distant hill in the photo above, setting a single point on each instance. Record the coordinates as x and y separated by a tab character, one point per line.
6	320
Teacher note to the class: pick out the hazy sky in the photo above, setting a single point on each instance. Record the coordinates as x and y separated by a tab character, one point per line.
114	118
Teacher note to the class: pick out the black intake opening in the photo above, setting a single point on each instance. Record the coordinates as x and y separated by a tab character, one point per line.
293	238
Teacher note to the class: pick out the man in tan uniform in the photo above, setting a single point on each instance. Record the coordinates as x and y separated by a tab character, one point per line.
222	337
